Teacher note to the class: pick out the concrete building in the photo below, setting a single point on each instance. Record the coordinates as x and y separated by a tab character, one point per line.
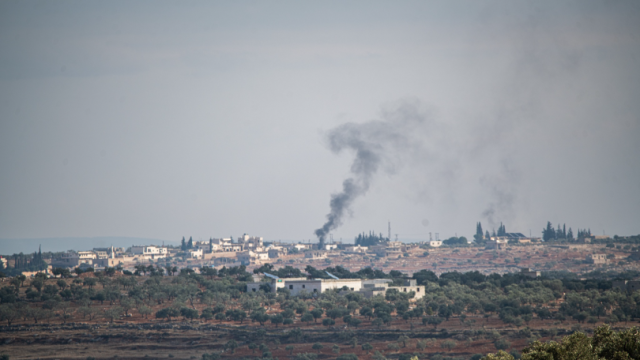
368	288
321	285
232	248
315	254
299	247
253	243
435	243
150	252
72	259
597	258
250	257
528	272
356	249
627	285
497	243
329	247
276	251
225	261
196	253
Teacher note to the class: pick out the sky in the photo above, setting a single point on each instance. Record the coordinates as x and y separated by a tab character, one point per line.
158	120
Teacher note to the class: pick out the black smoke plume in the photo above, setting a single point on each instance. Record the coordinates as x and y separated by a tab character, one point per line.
376	144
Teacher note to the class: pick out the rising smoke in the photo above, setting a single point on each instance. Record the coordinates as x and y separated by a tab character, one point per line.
379	144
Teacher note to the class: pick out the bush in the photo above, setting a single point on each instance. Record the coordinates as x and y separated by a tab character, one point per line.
328	322
212	356
502	344
347	357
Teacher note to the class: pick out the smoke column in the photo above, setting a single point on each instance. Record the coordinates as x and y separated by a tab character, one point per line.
376	144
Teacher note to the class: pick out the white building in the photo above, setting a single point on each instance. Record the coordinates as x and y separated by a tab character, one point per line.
356	249
435	243
321	285
329	247
196	253
276	251
150	252
368	288
315	254
250	257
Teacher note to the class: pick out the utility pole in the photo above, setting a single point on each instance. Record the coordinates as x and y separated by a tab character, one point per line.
389	237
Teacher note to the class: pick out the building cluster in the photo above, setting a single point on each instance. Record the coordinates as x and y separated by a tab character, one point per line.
108	257
368	288
500	242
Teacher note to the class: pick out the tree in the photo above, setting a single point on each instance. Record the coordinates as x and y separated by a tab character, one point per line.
317	314
9	313
317	346
502	355
231	345
502	231
393	346
90	282
144	311
260	316
328	322
289	348
220	317
38	284
277	319
307	317
549	233
183	244
403	339
112	313
189	313
35	314
377	322
347	357
190	243
212	356
421	344
167	313
502	344
65	310
478	237
448	344
435	321
87	311
367	347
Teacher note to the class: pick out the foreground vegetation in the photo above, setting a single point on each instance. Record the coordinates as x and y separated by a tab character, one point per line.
460	315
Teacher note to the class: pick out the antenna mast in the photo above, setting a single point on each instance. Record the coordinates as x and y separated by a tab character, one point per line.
389	237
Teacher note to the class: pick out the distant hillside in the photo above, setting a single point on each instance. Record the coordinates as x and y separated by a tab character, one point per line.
15	246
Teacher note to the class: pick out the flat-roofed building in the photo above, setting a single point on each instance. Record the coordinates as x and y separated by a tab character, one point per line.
250	257
276	251
150	252
597	258
321	285
196	253
72	259
315	254
356	249
530	273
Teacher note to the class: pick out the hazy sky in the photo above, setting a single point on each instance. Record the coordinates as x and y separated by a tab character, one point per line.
209	119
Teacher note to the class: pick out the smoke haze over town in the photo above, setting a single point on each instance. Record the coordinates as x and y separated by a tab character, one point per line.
160	120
